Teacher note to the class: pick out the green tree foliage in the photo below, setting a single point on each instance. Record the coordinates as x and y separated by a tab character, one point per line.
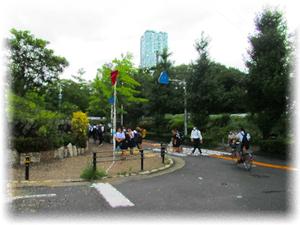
127	93
33	127
269	70
32	66
198	86
213	88
161	96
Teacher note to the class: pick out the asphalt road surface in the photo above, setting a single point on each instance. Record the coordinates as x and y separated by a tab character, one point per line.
202	186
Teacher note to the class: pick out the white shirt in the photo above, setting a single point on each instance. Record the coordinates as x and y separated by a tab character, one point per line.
196	134
241	134
120	135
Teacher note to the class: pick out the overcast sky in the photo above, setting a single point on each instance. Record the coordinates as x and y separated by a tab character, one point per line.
90	33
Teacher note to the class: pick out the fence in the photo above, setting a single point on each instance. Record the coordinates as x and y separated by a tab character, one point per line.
113	158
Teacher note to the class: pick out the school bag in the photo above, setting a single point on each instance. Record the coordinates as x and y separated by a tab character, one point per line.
245	141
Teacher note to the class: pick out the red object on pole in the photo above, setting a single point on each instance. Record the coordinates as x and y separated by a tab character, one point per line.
113	76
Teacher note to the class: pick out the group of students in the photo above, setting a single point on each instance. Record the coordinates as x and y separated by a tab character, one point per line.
96	132
129	139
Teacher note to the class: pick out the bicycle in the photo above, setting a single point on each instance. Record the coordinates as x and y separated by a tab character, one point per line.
246	157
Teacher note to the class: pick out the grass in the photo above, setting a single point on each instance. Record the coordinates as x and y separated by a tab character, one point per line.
89	174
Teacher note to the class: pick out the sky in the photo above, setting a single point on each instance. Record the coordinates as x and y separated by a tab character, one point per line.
91	33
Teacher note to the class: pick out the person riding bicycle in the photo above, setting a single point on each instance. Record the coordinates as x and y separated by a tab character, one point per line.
244	138
232	139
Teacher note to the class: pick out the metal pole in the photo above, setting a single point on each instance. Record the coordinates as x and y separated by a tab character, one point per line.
114	116
94	161
142	159
111	121
122	116
162	152
27	162
185	108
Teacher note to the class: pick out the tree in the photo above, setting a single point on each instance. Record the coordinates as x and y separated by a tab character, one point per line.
32	66
269	69
198	86
126	86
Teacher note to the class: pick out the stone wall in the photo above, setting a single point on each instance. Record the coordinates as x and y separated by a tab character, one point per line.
36	157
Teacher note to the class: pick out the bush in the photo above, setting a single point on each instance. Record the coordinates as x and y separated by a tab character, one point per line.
275	147
89	174
221	120
68	138
31	144
79	128
165	137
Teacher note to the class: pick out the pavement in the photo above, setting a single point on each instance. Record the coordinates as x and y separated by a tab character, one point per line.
195	187
200	185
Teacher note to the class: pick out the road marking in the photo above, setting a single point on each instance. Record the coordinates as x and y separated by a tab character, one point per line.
34	196
112	195
259	163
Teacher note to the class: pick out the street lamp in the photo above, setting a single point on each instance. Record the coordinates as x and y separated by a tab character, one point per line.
183	82
164	79
59	97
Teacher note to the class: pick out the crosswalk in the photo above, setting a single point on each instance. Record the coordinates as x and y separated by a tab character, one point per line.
112	196
188	151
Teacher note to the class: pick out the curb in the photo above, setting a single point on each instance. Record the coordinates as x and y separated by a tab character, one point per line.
14	183
147	172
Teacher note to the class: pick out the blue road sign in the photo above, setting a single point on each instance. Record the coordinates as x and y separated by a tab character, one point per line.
111	100
163	78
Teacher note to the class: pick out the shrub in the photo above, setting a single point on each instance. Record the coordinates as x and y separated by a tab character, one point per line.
31	144
79	128
89	174
68	138
277	146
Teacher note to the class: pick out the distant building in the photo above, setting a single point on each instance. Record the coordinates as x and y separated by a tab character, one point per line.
152	44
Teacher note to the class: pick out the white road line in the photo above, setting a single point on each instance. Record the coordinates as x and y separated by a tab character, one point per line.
33	196
112	195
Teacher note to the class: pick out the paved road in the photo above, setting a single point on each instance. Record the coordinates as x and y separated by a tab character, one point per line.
203	185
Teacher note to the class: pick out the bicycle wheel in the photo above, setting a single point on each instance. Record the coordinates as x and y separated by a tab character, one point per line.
248	162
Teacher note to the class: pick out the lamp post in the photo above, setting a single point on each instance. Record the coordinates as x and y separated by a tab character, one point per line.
164	79
183	82
59	98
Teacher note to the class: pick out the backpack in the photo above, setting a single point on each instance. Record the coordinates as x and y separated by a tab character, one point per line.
179	137
138	137
245	141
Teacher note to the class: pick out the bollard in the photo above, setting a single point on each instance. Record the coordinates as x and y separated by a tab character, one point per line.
142	159
27	163
94	161
162	152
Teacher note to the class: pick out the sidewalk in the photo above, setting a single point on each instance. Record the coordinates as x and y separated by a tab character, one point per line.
71	168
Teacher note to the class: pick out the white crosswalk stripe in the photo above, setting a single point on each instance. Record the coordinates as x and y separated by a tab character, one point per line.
188	151
112	195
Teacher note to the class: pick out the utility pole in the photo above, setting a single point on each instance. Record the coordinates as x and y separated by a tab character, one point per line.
185	103
185	108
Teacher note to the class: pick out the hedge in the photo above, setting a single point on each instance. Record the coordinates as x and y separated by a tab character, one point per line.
277	147
32	144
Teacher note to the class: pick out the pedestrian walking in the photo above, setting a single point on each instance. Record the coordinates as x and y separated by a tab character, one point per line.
95	133
138	137
196	139
100	133
176	140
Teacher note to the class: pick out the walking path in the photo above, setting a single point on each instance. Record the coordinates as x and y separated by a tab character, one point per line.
69	169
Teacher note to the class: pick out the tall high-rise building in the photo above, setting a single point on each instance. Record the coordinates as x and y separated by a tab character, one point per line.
152	44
